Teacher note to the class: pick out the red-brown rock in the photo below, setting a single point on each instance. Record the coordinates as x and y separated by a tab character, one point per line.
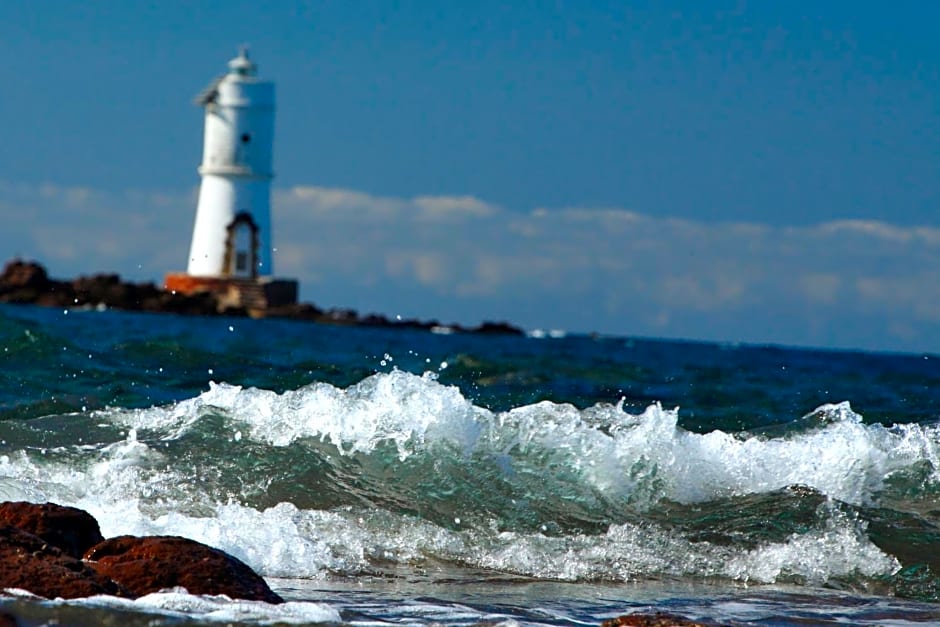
23	274
150	564
30	563
660	619
71	530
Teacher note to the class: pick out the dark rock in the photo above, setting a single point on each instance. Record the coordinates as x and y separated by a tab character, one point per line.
411	323
40	547
296	311
25	282
99	288
69	529
52	297
19	274
376	320
659	619
497	328
199	304
30	563
109	290
150	564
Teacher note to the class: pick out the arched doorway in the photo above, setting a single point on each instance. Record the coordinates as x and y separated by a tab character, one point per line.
241	247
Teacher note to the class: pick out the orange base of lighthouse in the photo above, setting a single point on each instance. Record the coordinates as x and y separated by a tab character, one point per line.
256	295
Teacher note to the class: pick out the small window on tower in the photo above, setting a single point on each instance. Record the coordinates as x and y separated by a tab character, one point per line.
246	137
241	261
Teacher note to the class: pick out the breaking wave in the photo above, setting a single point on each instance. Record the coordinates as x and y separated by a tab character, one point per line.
399	469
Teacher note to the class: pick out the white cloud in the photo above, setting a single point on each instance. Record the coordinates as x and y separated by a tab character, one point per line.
445	207
323	200
881	231
620	271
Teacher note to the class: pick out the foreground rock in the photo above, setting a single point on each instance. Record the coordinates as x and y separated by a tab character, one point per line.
40	546
151	564
71	530
27	562
27	282
659	619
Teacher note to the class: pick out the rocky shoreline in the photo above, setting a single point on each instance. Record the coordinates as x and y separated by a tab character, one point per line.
27	282
54	551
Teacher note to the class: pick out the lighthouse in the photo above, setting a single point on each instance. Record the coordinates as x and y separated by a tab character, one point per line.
231	249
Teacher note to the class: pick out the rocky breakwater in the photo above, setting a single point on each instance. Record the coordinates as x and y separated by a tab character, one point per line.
27	282
55	551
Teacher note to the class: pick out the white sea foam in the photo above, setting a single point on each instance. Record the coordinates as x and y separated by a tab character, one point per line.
627	552
284	541
179	604
397	406
635	459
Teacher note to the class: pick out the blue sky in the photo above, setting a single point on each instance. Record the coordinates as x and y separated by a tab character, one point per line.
760	172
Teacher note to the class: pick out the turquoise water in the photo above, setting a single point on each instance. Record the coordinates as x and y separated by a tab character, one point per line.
402	476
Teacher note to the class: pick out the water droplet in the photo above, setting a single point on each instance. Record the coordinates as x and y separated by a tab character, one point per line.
210	371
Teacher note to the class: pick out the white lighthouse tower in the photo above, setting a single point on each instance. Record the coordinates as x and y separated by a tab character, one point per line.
231	247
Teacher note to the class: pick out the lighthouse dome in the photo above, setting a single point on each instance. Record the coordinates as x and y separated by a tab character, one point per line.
242	65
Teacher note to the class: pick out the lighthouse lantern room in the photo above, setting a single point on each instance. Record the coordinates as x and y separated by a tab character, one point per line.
231	249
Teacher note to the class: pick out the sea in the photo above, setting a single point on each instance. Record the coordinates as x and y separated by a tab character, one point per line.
390	476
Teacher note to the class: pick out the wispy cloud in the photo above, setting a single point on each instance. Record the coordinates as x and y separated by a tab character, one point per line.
459	258
844	282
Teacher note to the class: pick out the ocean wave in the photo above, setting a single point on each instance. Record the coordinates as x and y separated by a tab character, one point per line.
637	460
400	469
